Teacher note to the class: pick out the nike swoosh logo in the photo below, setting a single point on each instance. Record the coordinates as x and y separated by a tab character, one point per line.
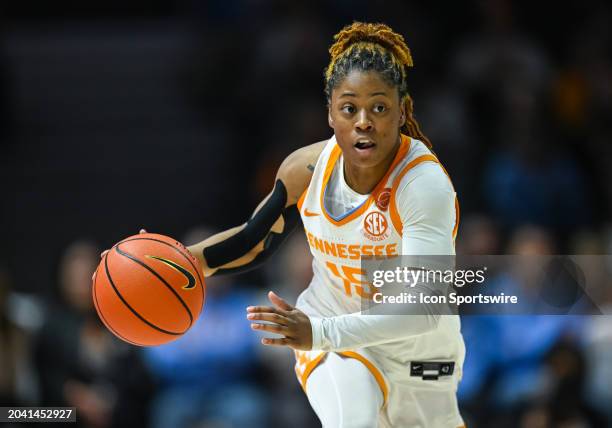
310	213
191	282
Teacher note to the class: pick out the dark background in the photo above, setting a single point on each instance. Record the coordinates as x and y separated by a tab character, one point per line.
166	114
172	115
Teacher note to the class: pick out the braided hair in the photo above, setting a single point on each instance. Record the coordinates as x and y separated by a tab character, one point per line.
373	47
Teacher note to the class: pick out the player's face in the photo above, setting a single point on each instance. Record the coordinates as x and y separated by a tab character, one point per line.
366	116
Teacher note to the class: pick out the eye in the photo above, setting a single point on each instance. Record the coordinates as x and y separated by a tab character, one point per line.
379	108
348	109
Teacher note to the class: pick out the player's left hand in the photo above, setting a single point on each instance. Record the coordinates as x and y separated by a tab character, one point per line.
286	320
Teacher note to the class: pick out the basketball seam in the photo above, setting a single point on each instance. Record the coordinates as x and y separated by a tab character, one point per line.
143	319
158	276
106	323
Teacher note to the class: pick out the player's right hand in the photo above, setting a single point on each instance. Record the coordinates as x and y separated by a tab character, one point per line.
103	253
283	319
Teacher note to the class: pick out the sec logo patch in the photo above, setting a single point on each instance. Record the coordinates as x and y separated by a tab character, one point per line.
375	226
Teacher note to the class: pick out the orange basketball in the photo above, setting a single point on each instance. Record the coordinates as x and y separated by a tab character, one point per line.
149	289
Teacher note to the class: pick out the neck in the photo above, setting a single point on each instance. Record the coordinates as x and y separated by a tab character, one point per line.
364	179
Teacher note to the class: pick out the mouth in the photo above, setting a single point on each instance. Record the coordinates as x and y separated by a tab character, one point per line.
364	145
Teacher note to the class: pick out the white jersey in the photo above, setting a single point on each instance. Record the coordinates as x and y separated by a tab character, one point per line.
388	222
339	197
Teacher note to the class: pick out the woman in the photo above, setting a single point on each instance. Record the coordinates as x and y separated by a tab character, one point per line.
373	188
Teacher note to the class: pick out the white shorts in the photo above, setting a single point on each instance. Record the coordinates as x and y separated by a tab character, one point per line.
408	401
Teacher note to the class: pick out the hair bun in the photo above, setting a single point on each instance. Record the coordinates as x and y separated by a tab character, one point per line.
381	34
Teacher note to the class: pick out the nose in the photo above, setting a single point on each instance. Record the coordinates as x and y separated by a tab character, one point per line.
363	121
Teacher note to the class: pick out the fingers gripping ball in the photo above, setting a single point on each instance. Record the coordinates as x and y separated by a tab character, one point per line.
148	289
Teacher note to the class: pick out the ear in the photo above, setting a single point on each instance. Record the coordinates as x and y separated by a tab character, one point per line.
330	120
402	114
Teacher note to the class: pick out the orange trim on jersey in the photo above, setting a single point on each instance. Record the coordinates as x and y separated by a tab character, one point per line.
302	197
393	211
375	372
329	168
456	227
457	217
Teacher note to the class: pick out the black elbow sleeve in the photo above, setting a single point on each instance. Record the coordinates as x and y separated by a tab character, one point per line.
257	228
273	241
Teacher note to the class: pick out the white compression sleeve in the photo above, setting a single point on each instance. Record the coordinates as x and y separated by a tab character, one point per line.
426	204
355	330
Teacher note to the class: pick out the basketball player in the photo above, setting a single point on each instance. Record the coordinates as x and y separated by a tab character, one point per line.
373	188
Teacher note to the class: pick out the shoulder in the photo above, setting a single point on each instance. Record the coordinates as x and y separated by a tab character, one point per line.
425	176
422	170
296	170
425	190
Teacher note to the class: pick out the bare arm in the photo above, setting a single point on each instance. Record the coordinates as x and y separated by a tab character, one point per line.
295	173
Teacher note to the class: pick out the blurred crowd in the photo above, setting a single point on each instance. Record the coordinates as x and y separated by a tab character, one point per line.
515	97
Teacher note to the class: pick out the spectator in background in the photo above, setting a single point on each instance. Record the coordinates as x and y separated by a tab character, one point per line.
598	348
529	337
562	403
79	362
505	363
568	369
209	377
598	340
479	236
